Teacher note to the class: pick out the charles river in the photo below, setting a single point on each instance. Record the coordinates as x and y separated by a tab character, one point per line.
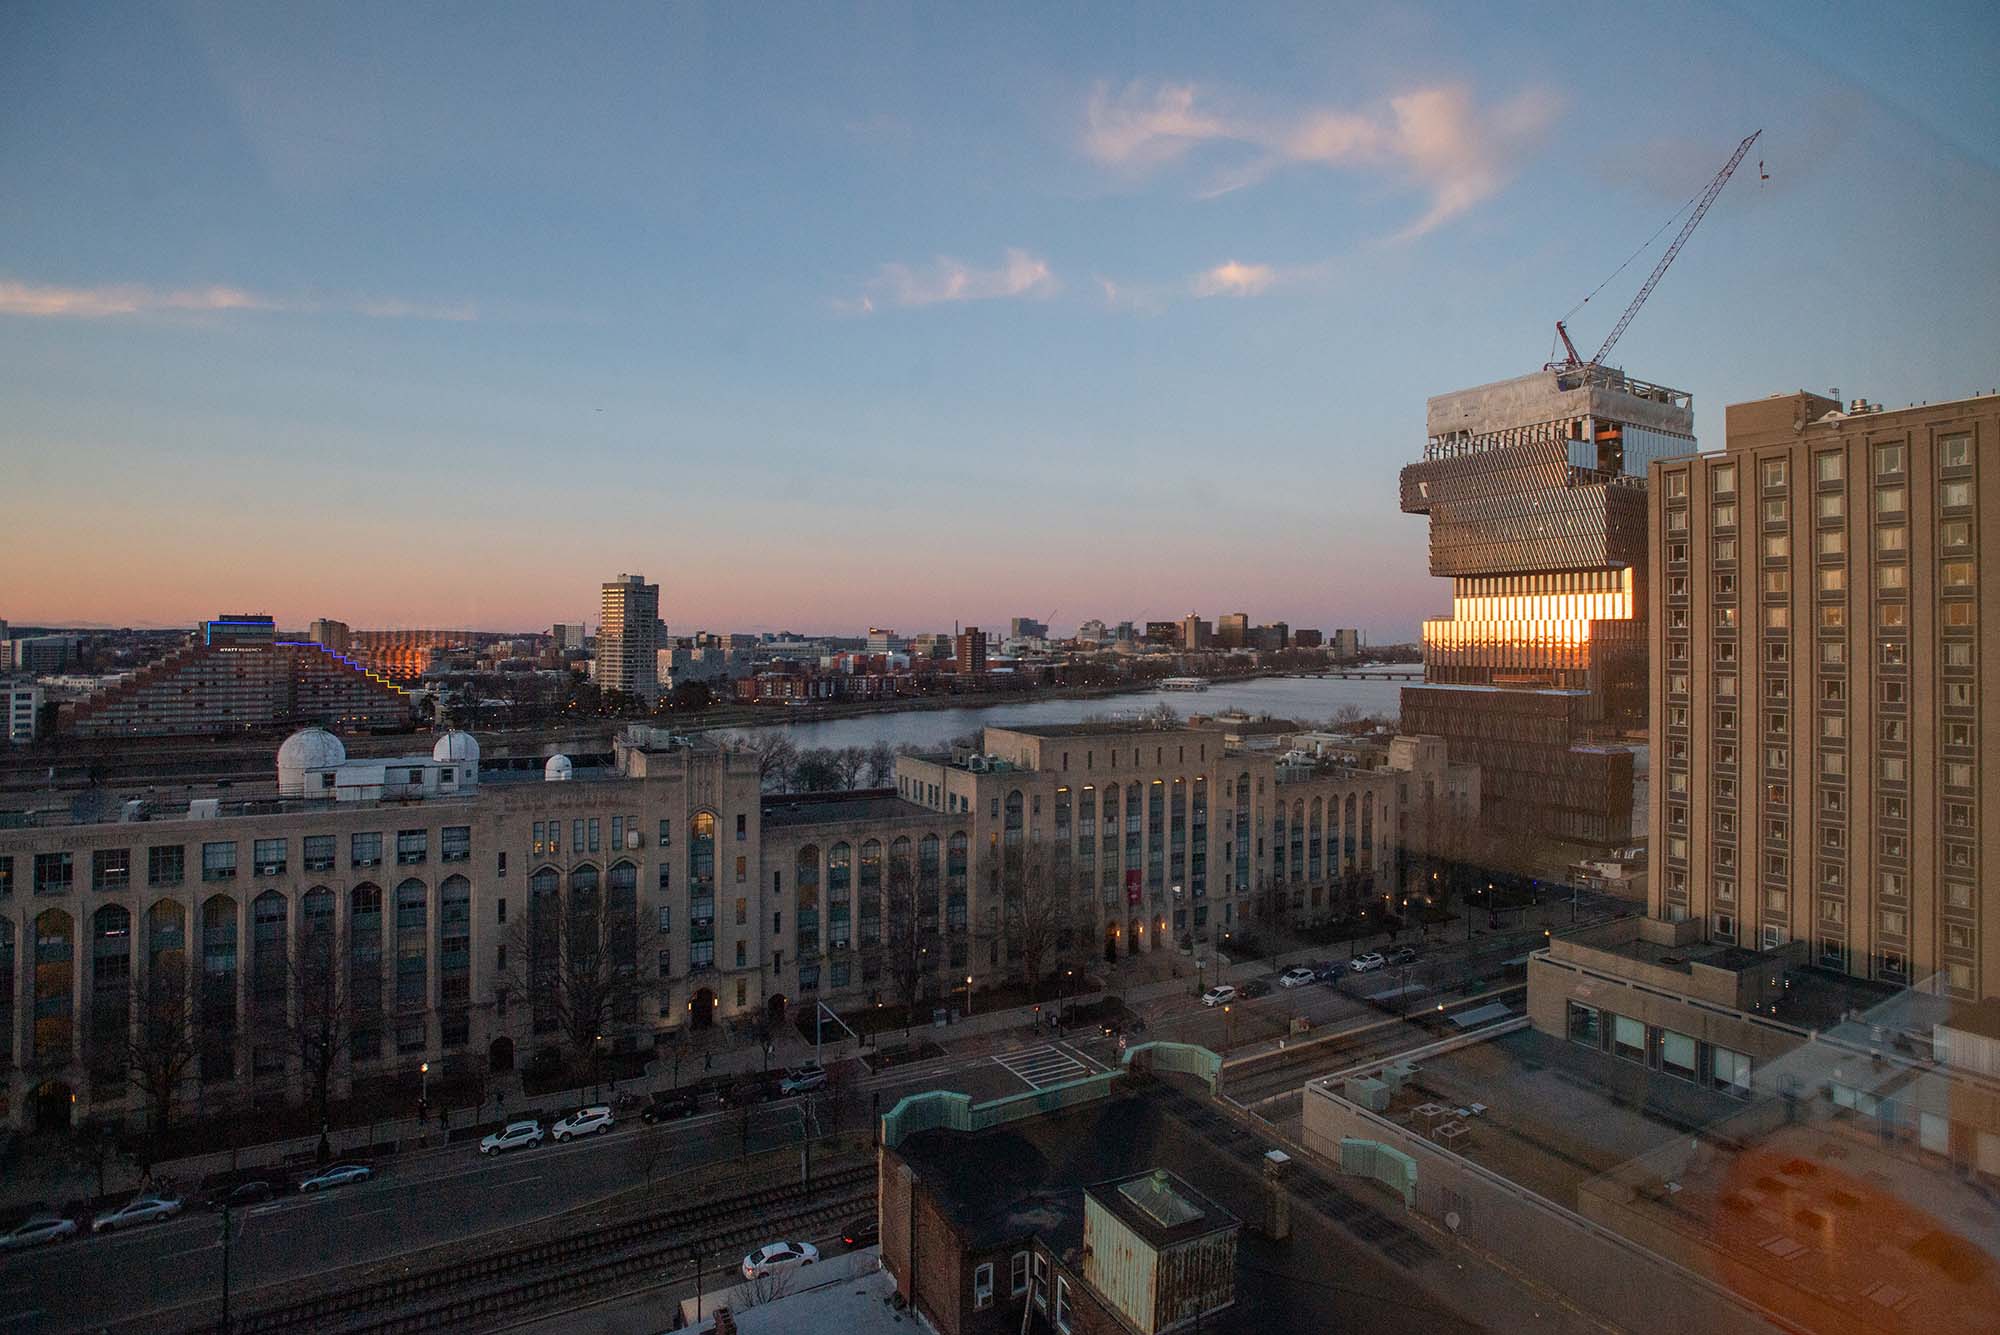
1306	699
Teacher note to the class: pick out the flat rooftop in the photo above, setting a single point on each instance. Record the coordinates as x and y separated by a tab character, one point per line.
1101	728
1557	1113
782	810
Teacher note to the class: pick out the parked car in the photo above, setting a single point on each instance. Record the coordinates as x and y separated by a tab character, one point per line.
1403	955
340	1175
1296	976
777	1258
669	1105
745	1093
862	1231
1217	995
1329	973
1254	987
1366	963
254	1192
513	1136
38	1230
138	1210
591	1121
802	1080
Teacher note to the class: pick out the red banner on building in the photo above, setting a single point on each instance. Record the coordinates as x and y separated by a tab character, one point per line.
1132	885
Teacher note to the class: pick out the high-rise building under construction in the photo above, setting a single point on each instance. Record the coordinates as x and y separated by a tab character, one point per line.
1535	488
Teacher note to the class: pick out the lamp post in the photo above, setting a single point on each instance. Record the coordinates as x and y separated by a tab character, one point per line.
968	996
1229	1020
423	1091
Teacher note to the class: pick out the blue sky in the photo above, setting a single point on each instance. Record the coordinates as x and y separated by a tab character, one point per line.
824	316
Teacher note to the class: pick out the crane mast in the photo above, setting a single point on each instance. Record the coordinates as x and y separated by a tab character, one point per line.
1653	279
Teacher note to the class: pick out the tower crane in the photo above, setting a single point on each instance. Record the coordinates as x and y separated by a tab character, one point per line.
1646	290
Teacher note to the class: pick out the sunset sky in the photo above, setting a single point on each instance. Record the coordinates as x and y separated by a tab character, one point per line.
828	316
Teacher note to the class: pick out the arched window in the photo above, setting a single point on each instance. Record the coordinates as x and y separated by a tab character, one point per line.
583	880
166	933
927	859
55	963
901	870
110	992
1314	839
1278	841
805	878
270	967
364	968
454	936
218	988
839	901
1348	831
412	945
1243	831
701	852
543	948
957	847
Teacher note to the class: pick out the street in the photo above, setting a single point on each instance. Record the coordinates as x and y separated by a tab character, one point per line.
446	1195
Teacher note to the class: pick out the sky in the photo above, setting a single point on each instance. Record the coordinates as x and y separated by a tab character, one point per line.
827	316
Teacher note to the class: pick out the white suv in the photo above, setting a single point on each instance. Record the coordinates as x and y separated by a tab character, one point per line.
594	1121
1218	994
512	1136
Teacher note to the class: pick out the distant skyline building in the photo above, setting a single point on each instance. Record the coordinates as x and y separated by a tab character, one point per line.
883	641
332	634
23	710
235	675
1822	763
1535	491
1027	628
1232	630
1092	631
569	635
629	635
1347	643
969	651
1163	632
1195	633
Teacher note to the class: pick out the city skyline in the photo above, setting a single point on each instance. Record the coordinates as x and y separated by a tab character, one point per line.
412	328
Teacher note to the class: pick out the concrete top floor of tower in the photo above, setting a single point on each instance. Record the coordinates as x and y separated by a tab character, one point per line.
1577	393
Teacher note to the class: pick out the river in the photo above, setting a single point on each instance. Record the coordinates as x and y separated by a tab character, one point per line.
1307	699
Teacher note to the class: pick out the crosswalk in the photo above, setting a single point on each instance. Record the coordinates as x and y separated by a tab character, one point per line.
1049	1064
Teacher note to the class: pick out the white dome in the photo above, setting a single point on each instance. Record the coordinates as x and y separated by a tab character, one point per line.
306	749
456	748
557	770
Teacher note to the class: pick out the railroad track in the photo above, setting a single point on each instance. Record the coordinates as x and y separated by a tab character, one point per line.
482	1288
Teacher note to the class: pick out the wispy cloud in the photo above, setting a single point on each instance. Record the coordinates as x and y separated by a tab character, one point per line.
1020	274
1439	139
109	301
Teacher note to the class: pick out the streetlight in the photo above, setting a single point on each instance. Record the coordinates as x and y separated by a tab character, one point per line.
968	995
424	1089
1229	1019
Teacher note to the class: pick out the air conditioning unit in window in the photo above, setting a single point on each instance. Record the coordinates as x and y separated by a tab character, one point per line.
632	839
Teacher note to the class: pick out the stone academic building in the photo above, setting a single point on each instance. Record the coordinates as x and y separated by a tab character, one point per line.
710	901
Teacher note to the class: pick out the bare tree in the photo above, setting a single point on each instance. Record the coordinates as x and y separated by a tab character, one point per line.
777	758
816	772
881	765
904	953
850	762
1161	715
322	1015
1037	909
163	1046
575	960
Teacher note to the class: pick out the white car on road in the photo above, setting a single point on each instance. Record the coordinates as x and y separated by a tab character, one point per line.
778	1258
1297	976
593	1121
36	1230
1368	963
512	1136
139	1210
1217	995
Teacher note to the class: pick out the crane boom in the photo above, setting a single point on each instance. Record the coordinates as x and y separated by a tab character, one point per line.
1707	198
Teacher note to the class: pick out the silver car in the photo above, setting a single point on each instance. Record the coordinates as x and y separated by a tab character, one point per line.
592	1121
337	1176
37	1230
139	1210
